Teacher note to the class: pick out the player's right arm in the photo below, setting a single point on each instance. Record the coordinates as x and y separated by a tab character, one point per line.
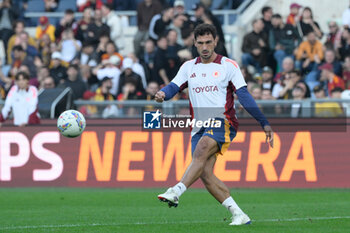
176	85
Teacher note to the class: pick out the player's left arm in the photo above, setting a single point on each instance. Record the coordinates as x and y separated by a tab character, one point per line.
245	98
249	104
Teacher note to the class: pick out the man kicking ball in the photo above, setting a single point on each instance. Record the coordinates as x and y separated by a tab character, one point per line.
212	80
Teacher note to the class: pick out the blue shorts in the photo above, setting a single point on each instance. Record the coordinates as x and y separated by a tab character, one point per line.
223	135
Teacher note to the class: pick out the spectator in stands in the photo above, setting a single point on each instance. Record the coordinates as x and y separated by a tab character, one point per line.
151	90
344	49
67	22
266	78
309	54
148	58
330	58
292	18
136	67
20	58
172	53
130	91
41	74
94	4
146	9
128	75
32	77
346	18
96	28
89	78
255	46
88	55
22	100
102	45
256	91
307	24
48	83
160	23
161	65
267	13
177	25
44	49
283	39
298	93
284	88
266	95
111	50
330	79
82	32
69	46
19	28
8	15
312	78
326	109
51	5
336	93
109	68
115	24
334	36
23	40
287	66
45	28
74	82
179	7
346	72
57	70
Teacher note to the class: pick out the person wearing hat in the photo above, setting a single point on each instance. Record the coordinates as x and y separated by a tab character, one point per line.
294	14
267	75
128	75
43	28
331	79
57	70
109	68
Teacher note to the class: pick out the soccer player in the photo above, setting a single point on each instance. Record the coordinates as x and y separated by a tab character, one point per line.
211	80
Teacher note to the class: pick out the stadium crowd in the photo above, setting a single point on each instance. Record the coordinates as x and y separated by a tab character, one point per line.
282	58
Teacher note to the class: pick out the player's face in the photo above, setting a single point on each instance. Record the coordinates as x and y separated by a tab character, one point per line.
205	46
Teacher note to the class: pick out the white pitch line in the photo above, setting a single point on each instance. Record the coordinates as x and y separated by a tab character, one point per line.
163	223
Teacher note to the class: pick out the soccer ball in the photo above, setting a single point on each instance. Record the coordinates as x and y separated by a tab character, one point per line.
71	123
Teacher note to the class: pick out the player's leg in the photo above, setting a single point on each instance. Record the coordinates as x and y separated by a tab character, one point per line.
221	193
205	148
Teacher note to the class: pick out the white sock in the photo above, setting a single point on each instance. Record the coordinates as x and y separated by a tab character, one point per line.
179	189
232	206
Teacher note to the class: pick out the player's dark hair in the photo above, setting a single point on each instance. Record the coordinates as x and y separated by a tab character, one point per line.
204	29
23	74
265	9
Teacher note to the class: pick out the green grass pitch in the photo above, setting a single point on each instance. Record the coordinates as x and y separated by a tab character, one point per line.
138	210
